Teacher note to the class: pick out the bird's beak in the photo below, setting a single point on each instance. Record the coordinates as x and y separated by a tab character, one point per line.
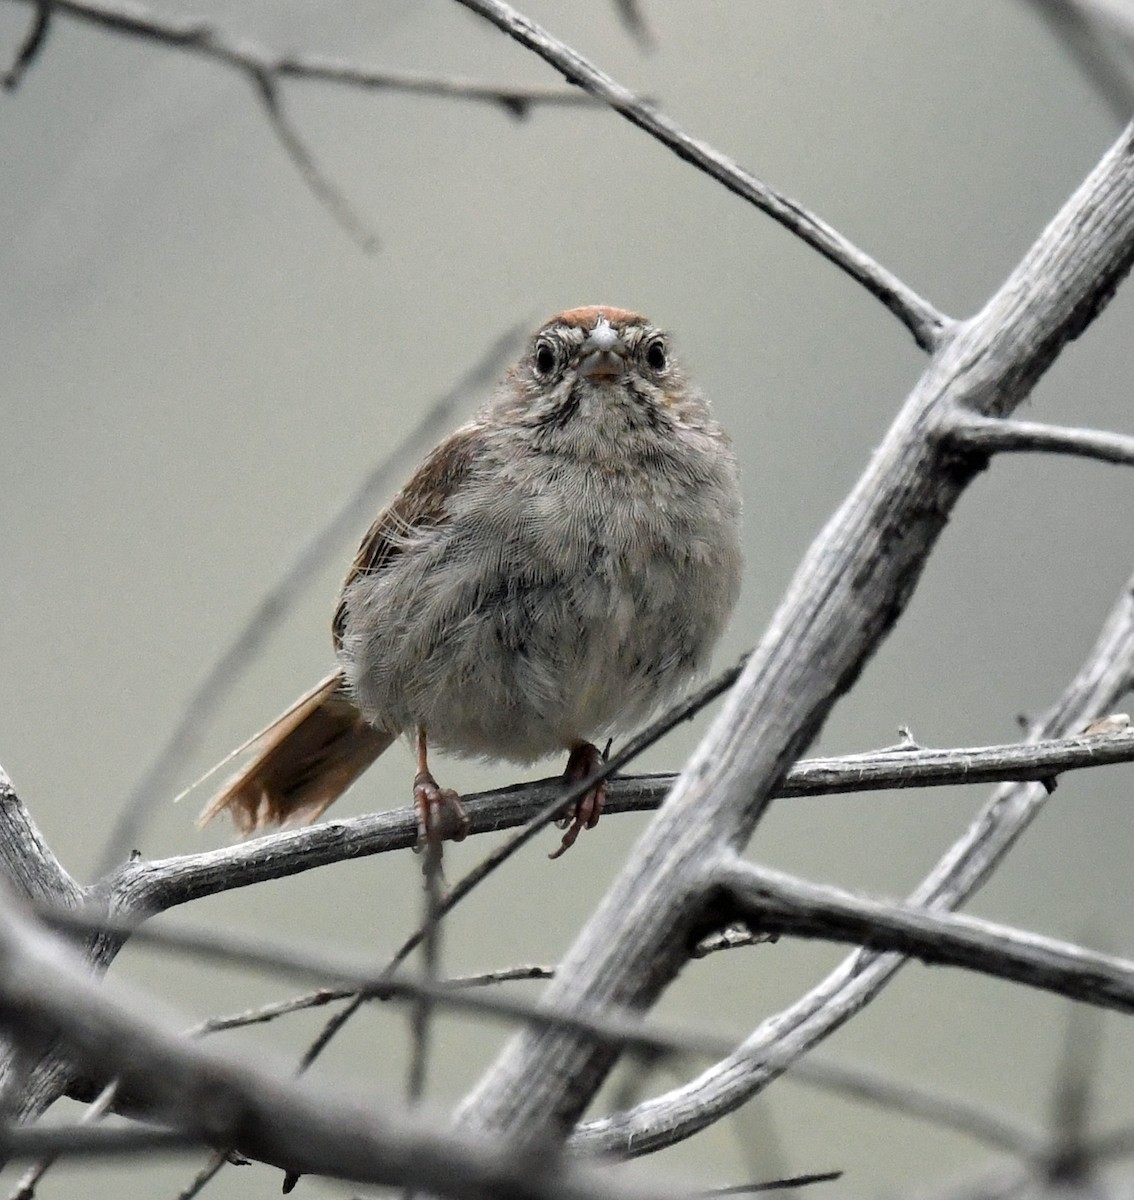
603	354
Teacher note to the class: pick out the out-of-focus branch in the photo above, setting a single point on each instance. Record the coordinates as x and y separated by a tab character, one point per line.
1086	29
325	543
927	325
32	44
200	36
46	991
913	1100
316	999
623	1028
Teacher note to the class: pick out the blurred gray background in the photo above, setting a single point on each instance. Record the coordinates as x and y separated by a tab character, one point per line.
198	366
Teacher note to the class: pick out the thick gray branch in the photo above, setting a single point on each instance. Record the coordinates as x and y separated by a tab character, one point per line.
993	435
849	591
1106	676
772	902
26	860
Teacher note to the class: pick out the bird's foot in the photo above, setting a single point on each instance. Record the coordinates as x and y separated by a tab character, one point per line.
440	814
583	761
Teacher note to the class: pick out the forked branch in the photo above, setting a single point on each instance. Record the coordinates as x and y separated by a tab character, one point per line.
847	594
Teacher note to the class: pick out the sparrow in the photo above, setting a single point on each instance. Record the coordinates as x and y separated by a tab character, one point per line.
555	571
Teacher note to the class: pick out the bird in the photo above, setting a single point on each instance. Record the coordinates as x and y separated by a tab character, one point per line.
554	572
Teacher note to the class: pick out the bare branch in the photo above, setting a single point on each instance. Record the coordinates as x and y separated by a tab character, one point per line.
158	884
948	1112
316	999
1106	675
927	325
33	43
45	989
993	435
853	585
199	36
778	903
329	195
159	780
1079	28
26	860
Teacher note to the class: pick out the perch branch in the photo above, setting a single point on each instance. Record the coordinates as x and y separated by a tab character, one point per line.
158	884
927	325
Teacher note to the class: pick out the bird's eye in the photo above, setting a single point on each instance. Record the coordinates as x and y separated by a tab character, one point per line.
546	358
655	355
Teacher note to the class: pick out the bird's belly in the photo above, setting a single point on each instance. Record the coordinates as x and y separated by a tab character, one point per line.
526	661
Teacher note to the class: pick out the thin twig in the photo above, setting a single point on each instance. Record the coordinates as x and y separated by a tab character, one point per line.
326	543
623	1028
316	999
993	435
217	1161
32	44
950	1112
927	325
328	193
774	1185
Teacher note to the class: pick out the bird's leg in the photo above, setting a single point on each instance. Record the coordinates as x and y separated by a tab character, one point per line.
439	811
583	760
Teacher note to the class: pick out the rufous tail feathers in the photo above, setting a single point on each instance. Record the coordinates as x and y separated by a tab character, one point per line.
305	759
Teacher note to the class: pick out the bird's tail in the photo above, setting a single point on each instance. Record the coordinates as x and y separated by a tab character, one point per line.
302	762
